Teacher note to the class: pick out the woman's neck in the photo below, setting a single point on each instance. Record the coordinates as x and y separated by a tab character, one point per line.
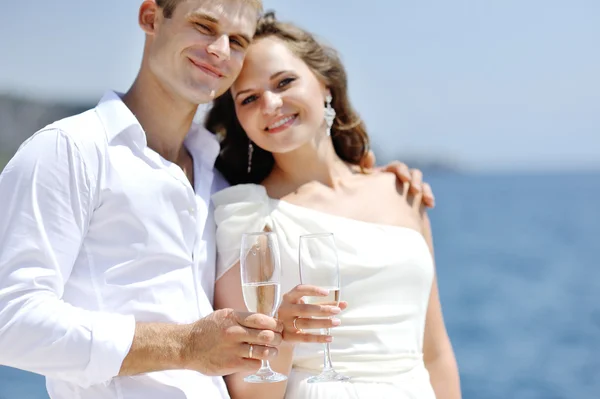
309	164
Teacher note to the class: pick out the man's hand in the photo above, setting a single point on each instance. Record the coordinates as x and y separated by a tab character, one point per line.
412	177
219	344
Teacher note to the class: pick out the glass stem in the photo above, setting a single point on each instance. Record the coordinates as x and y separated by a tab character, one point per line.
327	366
265	367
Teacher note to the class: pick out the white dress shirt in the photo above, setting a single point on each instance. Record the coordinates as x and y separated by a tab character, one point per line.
98	231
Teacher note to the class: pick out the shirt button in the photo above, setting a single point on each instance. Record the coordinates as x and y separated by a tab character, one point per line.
192	210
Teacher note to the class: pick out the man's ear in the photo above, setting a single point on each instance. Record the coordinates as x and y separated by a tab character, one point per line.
148	16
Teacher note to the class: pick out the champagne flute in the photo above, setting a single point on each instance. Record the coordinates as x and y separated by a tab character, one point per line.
319	267
261	273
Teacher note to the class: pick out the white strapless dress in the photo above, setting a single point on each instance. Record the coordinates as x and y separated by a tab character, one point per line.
386	275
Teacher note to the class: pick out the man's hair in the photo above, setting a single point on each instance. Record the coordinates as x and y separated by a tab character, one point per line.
168	6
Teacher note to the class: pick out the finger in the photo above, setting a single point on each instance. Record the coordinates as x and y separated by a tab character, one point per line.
259	337
305	310
368	162
416	181
302	336
258	321
315	324
428	198
301	290
342	304
258	352
400	170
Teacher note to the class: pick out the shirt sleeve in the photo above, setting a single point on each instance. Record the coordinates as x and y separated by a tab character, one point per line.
238	209
46	202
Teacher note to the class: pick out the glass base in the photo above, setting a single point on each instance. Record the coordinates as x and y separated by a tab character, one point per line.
327	376
265	376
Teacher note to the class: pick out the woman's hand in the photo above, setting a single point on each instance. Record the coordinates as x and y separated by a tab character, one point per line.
297	316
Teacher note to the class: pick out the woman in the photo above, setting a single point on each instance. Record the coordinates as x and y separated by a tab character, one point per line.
289	112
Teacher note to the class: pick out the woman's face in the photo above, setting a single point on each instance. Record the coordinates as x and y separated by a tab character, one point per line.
278	99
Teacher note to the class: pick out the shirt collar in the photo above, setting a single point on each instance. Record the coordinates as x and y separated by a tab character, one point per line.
117	119
203	144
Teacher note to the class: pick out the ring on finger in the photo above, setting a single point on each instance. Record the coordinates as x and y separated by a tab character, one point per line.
295	326
250	350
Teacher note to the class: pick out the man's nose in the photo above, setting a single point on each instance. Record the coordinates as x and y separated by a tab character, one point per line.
220	48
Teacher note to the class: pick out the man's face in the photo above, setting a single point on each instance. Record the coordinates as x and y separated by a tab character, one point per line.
199	51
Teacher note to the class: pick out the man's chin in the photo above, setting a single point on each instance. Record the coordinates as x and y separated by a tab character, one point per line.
206	94
199	97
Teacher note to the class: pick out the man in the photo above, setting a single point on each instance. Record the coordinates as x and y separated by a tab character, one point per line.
107	256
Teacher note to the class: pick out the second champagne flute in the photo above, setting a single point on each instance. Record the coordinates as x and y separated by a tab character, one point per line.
319	267
261	273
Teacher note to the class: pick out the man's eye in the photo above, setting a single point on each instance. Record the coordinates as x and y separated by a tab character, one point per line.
203	27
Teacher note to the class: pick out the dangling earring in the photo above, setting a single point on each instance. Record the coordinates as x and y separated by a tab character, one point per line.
329	113
250	151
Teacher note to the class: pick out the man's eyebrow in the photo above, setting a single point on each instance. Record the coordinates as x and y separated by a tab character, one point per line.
203	15
215	20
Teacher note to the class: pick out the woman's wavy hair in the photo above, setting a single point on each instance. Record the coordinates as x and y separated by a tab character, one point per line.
348	132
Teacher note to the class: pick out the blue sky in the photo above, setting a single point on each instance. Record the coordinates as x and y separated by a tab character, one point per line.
496	84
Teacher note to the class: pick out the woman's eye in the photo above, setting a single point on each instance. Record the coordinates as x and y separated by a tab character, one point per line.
285	82
248	99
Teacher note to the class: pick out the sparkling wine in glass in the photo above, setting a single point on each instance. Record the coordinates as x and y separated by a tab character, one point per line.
319	267
261	273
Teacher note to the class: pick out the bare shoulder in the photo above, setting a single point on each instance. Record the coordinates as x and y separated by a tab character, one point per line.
393	198
387	186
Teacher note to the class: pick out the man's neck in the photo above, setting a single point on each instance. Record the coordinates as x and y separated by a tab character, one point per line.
165	118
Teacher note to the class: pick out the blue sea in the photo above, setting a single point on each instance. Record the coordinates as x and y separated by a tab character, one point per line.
517	259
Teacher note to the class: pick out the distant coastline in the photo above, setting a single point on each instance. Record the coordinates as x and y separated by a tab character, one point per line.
21	116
